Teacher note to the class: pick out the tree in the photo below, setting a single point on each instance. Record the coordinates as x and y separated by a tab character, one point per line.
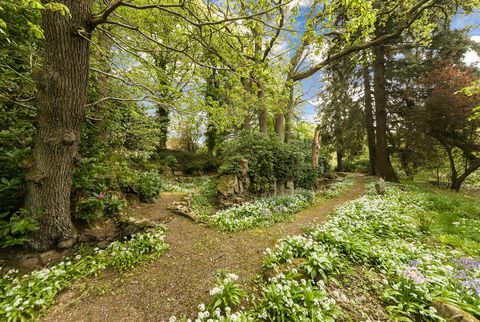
447	116
61	100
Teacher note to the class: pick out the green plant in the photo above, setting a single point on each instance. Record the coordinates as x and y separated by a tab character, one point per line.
261	212
15	227
226	293
149	185
94	207
26	297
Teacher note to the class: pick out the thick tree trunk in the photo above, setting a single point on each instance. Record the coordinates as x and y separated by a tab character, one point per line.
316	147
369	121
61	98
384	165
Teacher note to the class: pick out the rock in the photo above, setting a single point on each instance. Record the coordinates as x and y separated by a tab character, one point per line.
244	167
103	244
31	263
131	225
380	186
178	173
290	186
101	230
68	243
50	256
183	210
227	185
452	313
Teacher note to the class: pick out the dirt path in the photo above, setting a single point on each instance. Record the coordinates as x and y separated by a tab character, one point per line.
178	281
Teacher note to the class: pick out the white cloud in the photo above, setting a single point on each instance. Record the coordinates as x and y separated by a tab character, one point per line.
300	3
471	57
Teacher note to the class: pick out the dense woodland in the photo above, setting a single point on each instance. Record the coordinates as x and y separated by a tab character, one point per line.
110	105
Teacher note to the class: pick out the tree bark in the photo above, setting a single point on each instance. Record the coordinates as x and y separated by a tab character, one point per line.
339	161
369	121
262	110
384	165
280	126
316	147
61	98
289	113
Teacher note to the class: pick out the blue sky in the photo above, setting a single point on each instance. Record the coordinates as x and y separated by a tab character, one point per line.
312	85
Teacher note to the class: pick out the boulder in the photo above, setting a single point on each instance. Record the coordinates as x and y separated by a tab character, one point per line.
452	313
50	256
132	225
381	187
227	185
100	230
290	186
31	263
68	243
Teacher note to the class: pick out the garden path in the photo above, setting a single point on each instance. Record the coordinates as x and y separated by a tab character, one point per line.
177	282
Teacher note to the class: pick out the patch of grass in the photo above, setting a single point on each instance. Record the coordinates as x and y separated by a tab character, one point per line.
455	219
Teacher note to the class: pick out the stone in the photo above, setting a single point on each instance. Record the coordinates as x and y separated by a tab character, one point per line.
50	256
103	244
380	186
68	243
31	263
244	167
452	313
290	186
101	230
178	173
227	185
132	225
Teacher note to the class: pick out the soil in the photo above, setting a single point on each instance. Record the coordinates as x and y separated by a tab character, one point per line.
177	282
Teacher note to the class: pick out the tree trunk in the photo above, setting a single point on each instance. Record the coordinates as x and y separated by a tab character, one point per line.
339	161
262	110
280	126
289	113
316	147
384	165
61	98
369	121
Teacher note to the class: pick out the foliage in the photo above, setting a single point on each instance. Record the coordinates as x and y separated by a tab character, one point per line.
149	185
226	293
262	212
94	207
269	160
14	228
338	188
28	296
381	232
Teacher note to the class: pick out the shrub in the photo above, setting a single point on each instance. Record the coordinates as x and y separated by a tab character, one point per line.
149	185
14	228
94	207
269	161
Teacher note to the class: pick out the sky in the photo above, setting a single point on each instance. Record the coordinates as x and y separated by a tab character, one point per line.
312	85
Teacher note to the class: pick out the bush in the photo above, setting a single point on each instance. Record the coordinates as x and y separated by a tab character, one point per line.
149	185
270	161
94	207
190	163
14	228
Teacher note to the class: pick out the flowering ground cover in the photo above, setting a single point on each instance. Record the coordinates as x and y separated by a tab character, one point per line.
25	297
266	211
414	270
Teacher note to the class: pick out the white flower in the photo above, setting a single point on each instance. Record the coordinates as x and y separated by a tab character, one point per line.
201	307
172	319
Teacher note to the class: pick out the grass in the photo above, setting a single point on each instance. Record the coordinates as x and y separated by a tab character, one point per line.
454	219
